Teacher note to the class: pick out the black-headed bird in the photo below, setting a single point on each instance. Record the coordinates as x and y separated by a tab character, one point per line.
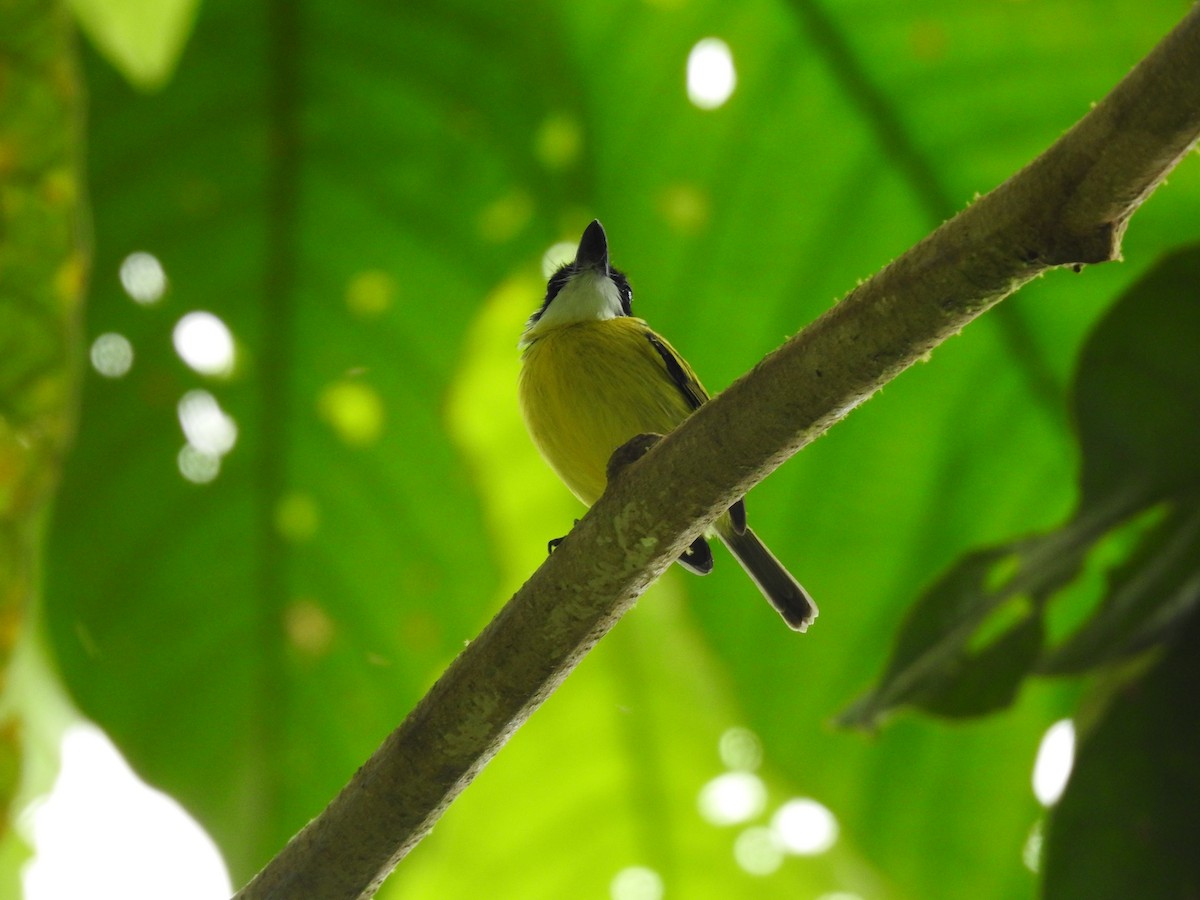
593	376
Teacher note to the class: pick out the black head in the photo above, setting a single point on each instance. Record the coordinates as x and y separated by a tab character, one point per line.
590	258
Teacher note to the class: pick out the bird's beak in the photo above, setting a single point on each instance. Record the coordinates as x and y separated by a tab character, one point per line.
593	248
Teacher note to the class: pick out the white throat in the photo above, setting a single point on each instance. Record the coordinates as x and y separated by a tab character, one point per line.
587	297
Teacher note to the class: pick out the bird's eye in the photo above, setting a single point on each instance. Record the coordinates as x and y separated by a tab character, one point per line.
624	291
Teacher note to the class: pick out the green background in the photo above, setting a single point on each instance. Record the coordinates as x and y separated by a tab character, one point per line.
363	193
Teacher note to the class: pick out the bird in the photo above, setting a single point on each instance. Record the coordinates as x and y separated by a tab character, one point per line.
594	376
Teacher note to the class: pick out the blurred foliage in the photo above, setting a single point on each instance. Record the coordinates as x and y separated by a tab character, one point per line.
362	193
43	263
1118	582
970	640
1127	825
142	38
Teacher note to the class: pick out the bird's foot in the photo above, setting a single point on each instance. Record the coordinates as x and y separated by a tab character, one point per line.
552	544
630	452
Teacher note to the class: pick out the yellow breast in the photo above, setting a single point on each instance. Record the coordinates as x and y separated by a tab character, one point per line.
588	387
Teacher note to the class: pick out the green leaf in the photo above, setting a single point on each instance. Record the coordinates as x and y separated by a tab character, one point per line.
1137	388
1136	403
142	39
283	617
362	193
1127	824
43	264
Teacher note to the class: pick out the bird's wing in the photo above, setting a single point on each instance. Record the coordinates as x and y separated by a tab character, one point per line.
681	373
695	395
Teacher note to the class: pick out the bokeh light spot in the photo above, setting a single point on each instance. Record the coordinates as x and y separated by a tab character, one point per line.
143	278
1055	758
556	256
685	208
740	749
371	293
112	355
558	141
504	218
757	851
711	76
309	627
353	410
206	426
297	517
636	883
70	278
197	466
732	798
205	343
804	827
1031	852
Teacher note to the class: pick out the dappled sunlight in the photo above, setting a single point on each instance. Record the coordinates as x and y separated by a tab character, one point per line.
197	466
210	432
104	834
205	343
506	216
637	883
112	355
556	256
800	826
1031	851
711	76
371	293
206	426
308	626
558	141
297	516
354	410
804	827
733	798
143	278
740	749
686	208
1055	758
757	851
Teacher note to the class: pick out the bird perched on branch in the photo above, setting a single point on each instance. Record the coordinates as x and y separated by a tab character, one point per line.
593	377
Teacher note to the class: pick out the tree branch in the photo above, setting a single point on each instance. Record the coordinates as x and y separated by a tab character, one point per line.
1067	208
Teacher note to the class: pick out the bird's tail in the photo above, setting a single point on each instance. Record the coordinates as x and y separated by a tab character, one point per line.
783	591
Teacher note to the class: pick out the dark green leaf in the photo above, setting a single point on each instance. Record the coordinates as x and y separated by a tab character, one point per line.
1136	403
1137	397
1129	822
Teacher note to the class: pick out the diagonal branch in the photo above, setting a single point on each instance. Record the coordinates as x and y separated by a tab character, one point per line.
1067	208
899	146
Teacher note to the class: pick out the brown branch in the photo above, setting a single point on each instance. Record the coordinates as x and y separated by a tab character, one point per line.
1068	208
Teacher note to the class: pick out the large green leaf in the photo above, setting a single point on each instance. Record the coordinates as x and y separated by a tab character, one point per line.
1127	825
282	617
975	635
362	192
